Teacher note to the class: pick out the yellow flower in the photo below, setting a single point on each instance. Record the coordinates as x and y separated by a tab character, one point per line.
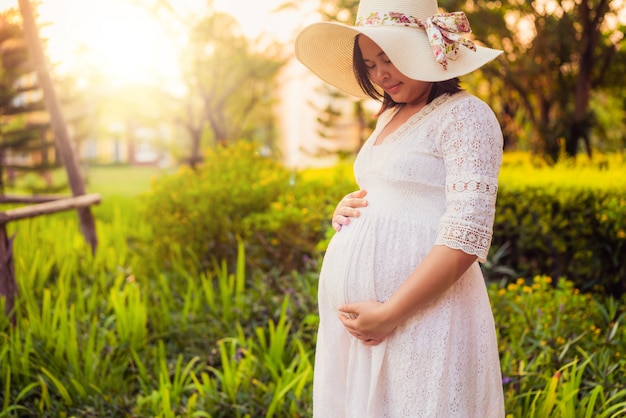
560	340
520	281
543	343
527	289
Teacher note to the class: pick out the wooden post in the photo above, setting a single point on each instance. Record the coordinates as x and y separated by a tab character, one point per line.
8	285
61	134
45	208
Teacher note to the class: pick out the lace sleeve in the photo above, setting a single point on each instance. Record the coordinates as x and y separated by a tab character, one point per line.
471	145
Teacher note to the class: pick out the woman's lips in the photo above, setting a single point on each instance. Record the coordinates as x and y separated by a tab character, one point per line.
393	88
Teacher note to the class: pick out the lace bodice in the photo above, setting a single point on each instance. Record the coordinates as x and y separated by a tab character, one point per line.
453	148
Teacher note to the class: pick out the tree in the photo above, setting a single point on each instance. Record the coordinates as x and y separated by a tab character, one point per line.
231	86
555	54
335	124
20	100
230	81
57	121
333	112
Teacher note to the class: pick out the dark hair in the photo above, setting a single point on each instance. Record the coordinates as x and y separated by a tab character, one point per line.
439	88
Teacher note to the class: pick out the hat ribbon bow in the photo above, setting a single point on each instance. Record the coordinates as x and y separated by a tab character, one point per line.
445	31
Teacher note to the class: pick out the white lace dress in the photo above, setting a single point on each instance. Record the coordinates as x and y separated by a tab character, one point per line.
431	182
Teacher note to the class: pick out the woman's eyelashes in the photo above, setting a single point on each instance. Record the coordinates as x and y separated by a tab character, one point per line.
372	66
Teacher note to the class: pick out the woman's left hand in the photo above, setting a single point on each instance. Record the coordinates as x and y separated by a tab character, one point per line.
348	208
366	321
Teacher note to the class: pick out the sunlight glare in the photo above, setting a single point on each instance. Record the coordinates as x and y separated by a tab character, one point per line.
122	41
128	45
259	18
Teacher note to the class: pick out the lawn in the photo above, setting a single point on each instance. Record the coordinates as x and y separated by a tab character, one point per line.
121	180
110	180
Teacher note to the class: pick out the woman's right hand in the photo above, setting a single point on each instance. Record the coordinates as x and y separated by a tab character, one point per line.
347	208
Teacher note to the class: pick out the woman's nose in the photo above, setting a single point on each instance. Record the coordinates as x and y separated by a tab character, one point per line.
382	72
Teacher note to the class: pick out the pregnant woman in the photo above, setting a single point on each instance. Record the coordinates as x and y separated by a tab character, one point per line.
406	328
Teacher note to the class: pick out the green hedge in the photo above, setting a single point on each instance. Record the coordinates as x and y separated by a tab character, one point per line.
575	233
238	195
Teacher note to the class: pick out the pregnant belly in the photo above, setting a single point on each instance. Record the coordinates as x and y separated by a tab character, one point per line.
346	274
371	258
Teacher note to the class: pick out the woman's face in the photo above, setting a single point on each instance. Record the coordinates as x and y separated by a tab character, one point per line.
384	74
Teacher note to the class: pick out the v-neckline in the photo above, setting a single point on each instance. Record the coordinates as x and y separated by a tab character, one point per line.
424	111
389	137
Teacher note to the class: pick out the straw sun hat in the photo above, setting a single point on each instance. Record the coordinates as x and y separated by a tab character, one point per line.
422	43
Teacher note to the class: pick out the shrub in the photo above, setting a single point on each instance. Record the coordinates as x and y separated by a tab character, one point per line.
575	233
545	330
201	212
239	195
289	232
564	220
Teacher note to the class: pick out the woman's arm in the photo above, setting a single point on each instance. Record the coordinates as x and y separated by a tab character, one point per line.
347	208
373	321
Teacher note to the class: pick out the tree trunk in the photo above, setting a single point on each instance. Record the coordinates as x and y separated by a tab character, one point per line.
8	285
195	152
591	20
61	134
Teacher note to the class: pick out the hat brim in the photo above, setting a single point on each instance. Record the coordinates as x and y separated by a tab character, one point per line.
326	48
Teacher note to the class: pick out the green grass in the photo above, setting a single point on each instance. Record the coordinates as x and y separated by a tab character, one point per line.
113	180
122	180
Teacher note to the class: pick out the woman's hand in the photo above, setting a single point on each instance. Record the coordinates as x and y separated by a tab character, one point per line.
367	321
347	208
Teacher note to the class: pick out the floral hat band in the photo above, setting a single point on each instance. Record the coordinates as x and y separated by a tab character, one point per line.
445	31
407	31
